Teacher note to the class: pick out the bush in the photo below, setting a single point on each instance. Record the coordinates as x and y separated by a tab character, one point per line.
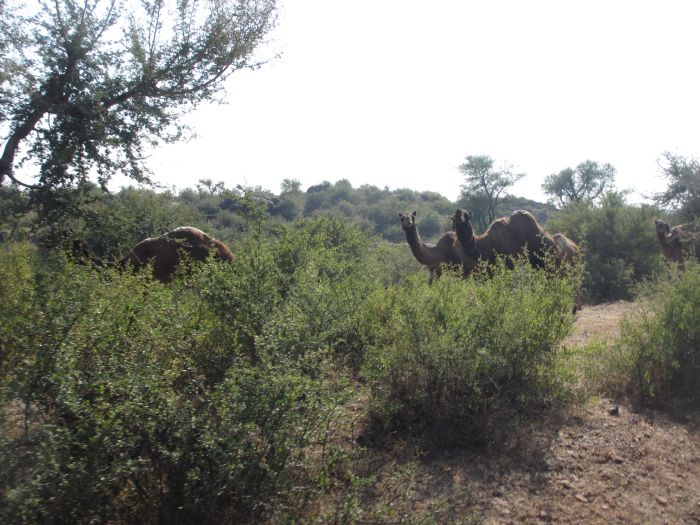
659	347
619	242
452	355
127	400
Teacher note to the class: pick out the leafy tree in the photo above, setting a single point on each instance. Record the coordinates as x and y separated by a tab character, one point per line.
87	85
587	183
210	187
683	192
619	243
290	186
484	186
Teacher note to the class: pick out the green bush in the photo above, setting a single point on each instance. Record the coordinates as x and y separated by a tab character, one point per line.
126	400
452	355
659	347
619	242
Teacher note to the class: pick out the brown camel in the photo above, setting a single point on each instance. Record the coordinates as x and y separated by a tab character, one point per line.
165	253
507	236
567	249
431	255
677	240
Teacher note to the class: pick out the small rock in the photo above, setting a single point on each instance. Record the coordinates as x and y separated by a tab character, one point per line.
614	411
604	506
617	459
582	498
662	500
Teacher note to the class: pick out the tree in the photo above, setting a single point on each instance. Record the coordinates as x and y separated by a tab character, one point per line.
587	183
290	186
683	192
87	84
210	187
484	186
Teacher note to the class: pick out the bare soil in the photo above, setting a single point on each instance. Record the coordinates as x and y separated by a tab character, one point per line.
602	462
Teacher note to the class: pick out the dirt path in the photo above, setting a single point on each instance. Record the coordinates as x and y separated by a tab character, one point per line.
599	463
600	321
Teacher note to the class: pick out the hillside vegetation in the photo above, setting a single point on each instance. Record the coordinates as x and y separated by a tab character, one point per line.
252	392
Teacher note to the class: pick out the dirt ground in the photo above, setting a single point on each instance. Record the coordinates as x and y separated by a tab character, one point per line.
597	463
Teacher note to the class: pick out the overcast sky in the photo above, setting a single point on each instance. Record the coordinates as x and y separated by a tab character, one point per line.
398	92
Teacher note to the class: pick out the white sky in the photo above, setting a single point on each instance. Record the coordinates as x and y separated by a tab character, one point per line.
398	92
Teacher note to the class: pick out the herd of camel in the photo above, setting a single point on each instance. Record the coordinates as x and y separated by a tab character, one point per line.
461	248
505	237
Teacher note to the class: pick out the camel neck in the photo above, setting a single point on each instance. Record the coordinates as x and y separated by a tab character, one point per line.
465	236
418	247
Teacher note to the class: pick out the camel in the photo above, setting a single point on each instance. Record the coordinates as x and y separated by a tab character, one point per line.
434	256
507	236
677	240
567	249
164	252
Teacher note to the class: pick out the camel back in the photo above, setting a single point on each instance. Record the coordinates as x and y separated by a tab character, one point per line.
509	235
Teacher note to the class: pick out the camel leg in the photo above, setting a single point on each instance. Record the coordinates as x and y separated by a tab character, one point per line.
435	273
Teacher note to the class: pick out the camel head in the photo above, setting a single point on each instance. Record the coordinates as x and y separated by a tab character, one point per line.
408	221
462	222
667	235
461	217
560	241
662	227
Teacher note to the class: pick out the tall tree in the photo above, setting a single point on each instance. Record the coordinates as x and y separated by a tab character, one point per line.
484	186
85	85
587	183
683	192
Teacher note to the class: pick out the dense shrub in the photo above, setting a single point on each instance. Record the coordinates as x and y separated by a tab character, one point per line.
126	400
619	241
659	349
452	355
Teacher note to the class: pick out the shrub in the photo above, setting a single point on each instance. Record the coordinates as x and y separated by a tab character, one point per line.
125	400
619	241
659	347
451	355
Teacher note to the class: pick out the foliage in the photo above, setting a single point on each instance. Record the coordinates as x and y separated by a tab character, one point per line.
453	356
15	213
619	240
484	186
659	347
113	223
587	183
683	192
199	401
89	85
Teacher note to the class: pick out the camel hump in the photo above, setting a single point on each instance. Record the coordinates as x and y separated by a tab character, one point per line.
190	234
447	240
524	219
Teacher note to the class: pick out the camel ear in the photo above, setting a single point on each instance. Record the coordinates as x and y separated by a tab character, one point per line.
400	215
414	214
469	214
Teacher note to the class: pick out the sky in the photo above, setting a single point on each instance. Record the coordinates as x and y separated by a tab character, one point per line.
397	93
